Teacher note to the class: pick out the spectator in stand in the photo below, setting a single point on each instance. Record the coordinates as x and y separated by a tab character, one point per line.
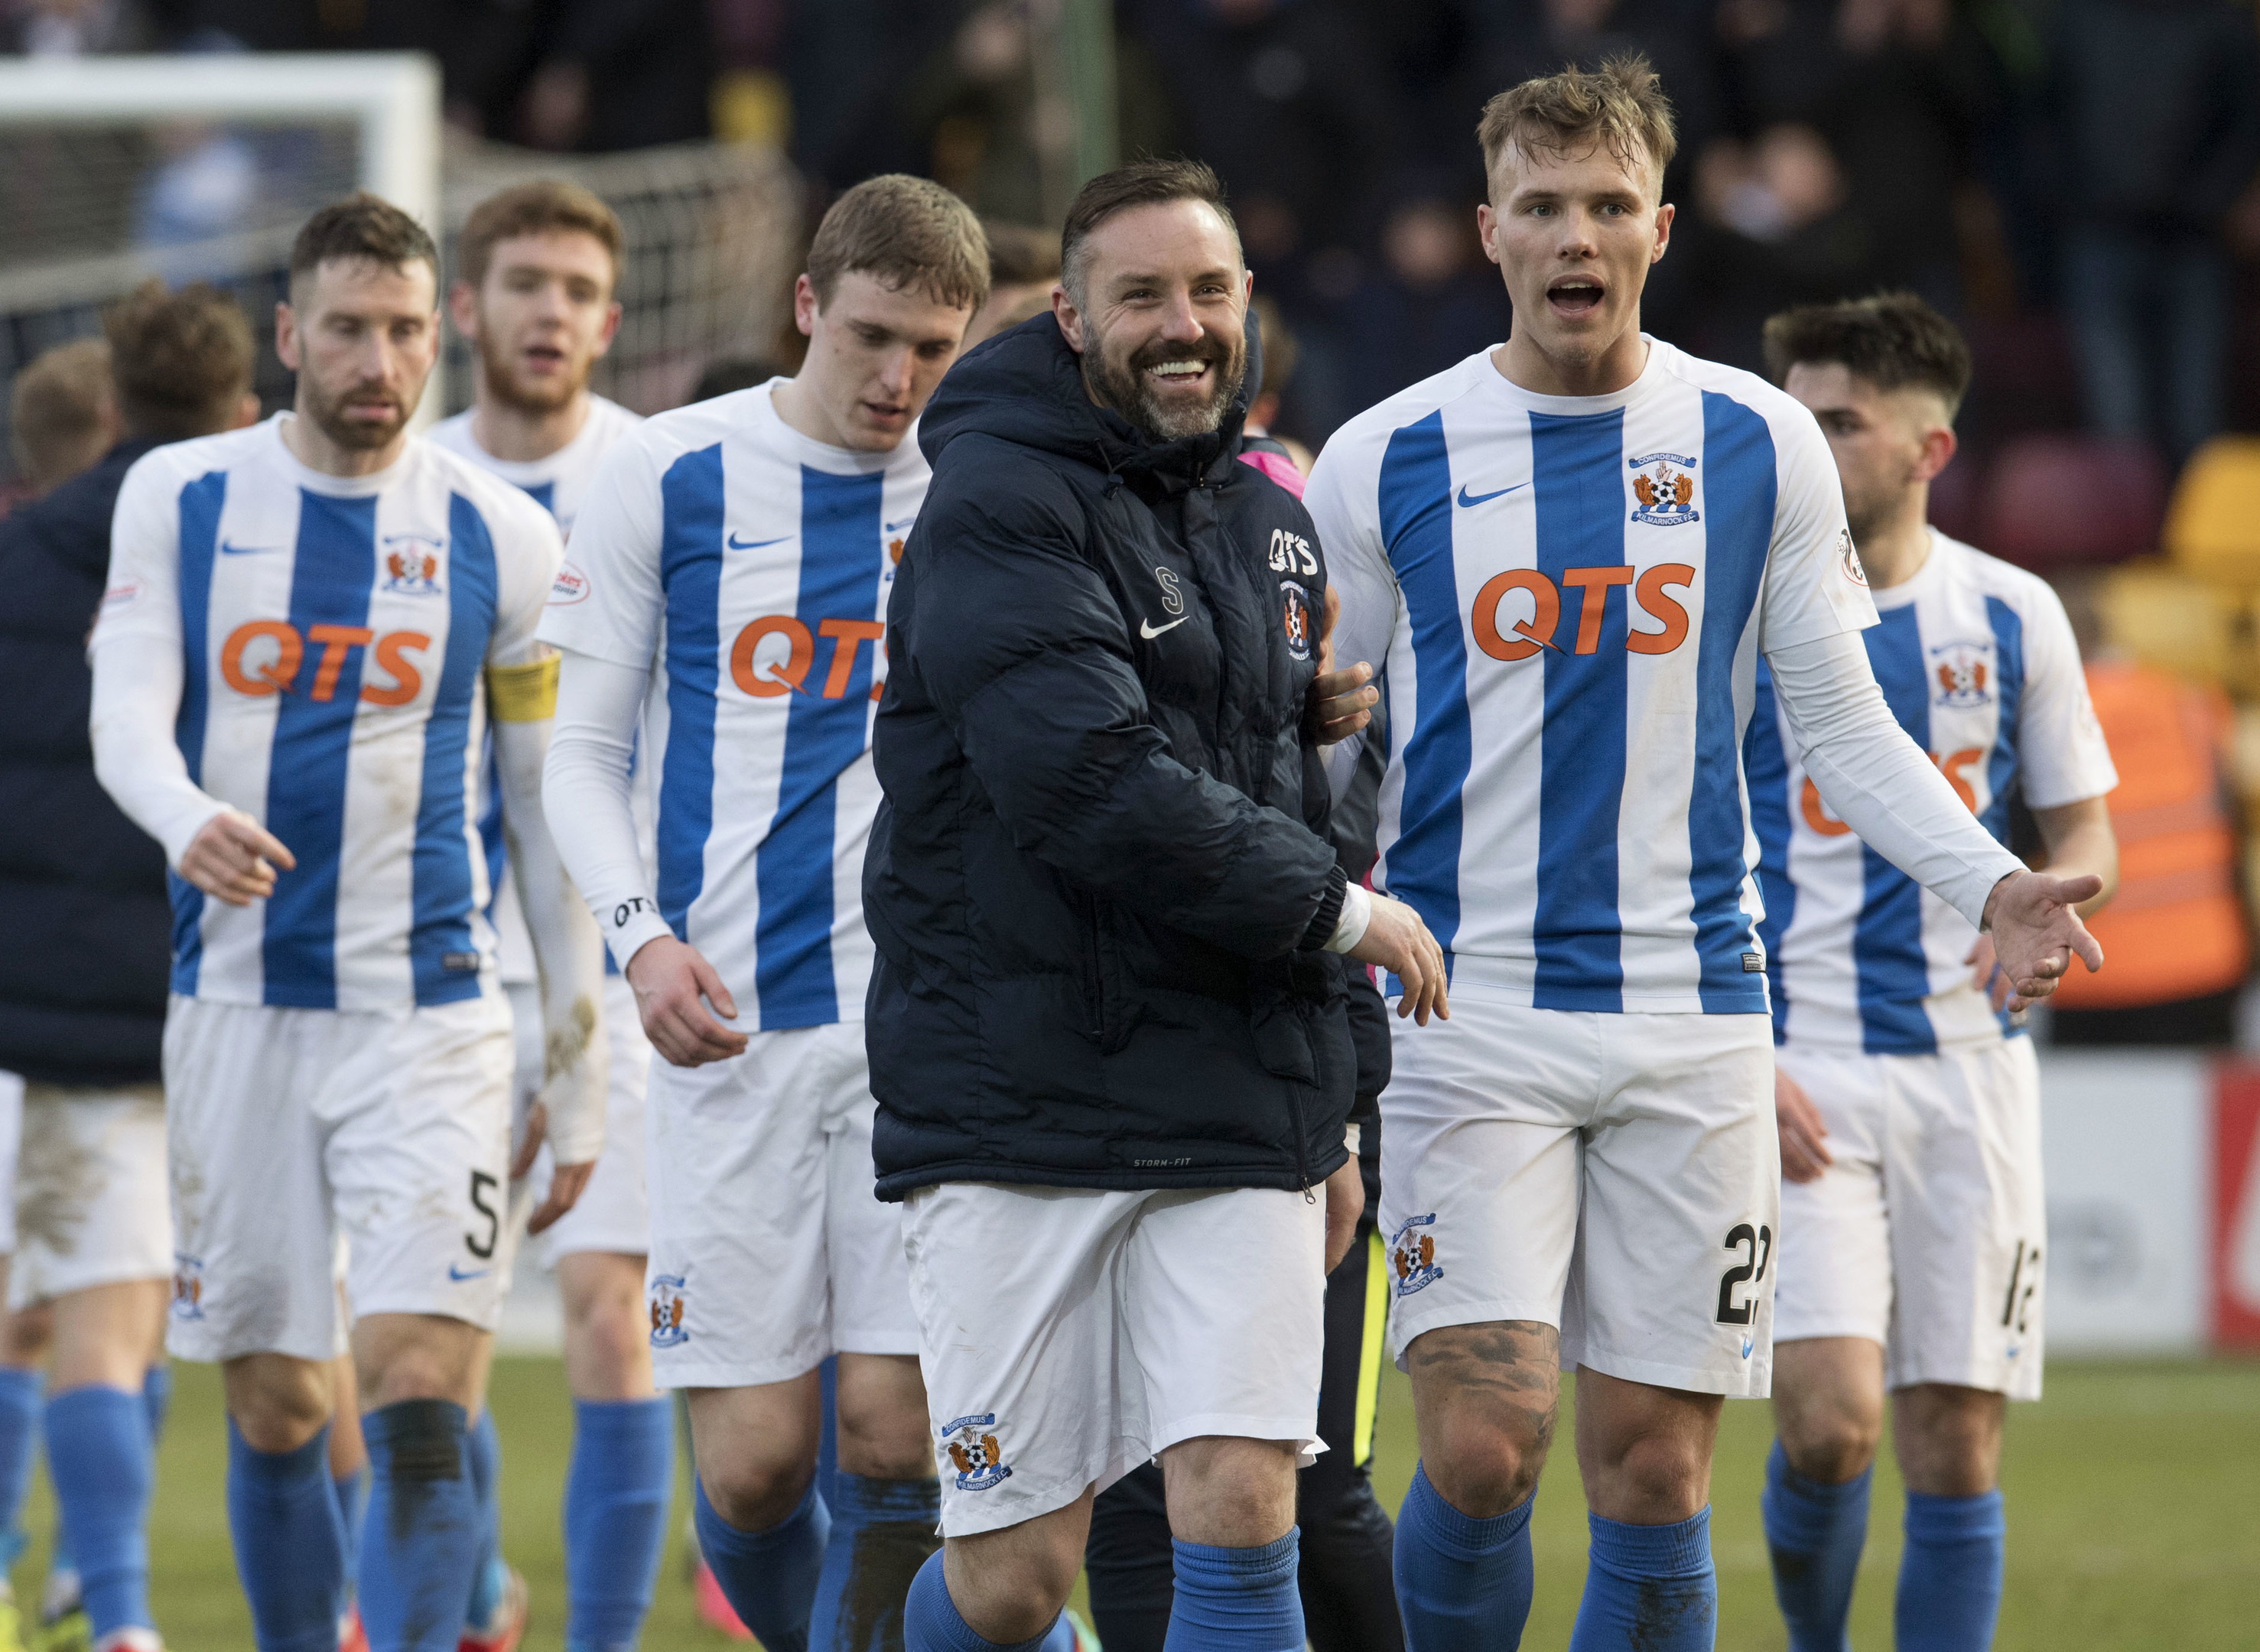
620	74
2156	105
62	415
82	983
1431	301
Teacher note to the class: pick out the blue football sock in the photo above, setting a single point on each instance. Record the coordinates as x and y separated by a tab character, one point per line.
882	1532
21	1393
1949	1573
99	1459
769	1578
1242	1598
351	1493
157	1399
1651	1587
616	1499
931	1623
484	1448
289	1549
1463	1582
420	1539
1815	1533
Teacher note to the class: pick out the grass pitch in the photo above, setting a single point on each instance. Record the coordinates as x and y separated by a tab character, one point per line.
2133	1496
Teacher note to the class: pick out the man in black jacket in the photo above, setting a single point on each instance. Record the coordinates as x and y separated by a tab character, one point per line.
82	979
1106	1023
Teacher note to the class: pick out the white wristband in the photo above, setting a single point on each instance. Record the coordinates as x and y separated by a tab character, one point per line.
1356	913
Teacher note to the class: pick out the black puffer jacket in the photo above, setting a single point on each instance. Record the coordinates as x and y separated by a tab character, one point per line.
88	931
1101	872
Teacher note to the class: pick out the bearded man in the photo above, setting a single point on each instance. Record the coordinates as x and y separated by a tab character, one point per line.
1106	1024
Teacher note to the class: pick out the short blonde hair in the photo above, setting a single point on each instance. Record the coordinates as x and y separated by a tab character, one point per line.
58	411
1620	107
544	206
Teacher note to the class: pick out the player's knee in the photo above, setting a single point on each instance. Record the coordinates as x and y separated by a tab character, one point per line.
1484	1462
753	1490
891	1445
1662	1475
1010	1585
1831	1444
1231	1493
276	1404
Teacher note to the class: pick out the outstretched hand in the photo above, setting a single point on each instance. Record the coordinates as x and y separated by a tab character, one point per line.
2036	933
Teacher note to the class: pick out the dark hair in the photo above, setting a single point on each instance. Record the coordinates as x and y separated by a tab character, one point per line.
1020	253
907	232
362	226
182	360
1889	341
1620	107
1141	183
544	206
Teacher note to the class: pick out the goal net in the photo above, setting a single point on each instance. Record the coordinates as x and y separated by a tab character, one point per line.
202	169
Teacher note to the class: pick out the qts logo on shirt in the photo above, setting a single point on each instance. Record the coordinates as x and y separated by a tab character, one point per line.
775	654
271	656
1527	633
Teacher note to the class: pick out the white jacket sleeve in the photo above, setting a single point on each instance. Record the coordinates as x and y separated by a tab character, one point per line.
586	788
1878	781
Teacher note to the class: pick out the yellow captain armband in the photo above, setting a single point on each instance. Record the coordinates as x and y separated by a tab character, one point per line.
524	693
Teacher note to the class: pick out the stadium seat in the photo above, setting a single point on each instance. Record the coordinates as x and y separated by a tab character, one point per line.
2194	629
2056	501
2212	528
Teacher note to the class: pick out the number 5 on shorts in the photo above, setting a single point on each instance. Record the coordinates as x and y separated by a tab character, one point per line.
480	1182
1756	1244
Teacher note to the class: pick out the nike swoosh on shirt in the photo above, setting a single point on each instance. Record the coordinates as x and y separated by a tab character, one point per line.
244	550
1467	502
737	544
1149	630
456	1273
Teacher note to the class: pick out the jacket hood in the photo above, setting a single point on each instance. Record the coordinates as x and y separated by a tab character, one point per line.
1026	386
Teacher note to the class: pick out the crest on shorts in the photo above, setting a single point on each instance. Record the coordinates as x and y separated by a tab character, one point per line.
1412	1256
971	1442
668	1297
1665	484
1961	675
411	564
188	1286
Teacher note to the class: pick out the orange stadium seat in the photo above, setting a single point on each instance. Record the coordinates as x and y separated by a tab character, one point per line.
2054	502
2212	529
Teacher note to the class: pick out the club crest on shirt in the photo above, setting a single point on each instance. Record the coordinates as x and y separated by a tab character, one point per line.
1413	1256
1665	484
411	564
1847	558
668	1297
1298	618
188	1286
971	1442
1961	675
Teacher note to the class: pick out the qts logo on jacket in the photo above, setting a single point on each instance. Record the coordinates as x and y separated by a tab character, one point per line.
980	1461
1529	633
668	1296
1413	1256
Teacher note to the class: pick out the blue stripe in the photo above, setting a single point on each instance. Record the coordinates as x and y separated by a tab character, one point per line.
543	494
1577	934
1887	950
442	883
1738	505
336	564
840	552
492	841
200	507
1416	524
691	574
2003	765
1765	766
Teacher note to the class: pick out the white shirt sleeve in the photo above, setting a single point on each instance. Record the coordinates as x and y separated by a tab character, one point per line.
2062	755
1814	586
585	793
607	601
1878	781
140	670
528	553
1342	503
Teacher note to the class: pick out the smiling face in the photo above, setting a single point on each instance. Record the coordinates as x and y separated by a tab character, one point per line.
362	337
875	355
1574	233
1158	312
540	319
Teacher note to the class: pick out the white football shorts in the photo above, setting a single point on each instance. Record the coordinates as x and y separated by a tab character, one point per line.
289	1128
1925	1234
12	1132
1615	1175
1069	1334
769	1252
613	1214
90	1206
